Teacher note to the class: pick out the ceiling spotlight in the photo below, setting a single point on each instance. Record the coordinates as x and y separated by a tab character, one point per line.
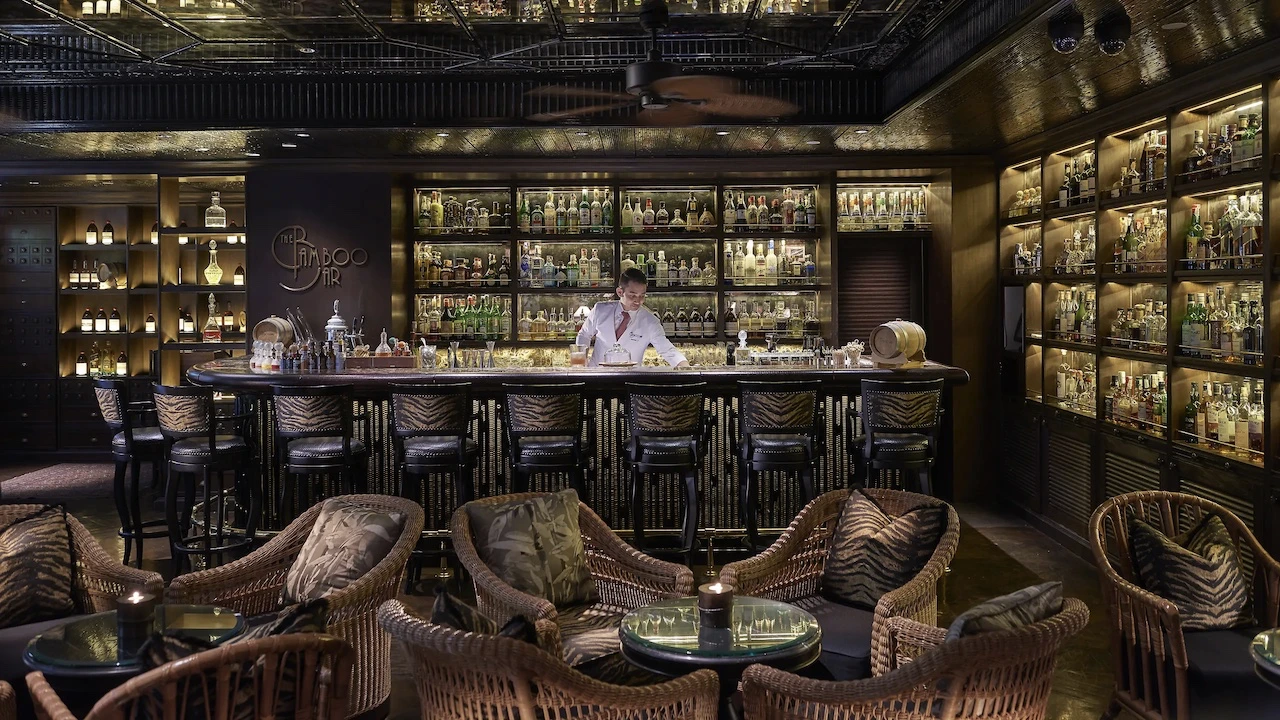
163	136
442	134
1112	31
306	49
288	145
861	131
1066	29
250	153
304	135
1173	26
201	149
33	182
812	142
722	132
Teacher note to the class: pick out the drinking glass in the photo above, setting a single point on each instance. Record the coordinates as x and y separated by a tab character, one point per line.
577	355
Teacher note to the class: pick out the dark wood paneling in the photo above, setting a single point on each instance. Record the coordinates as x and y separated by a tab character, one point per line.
1021	432
878	281
1068	498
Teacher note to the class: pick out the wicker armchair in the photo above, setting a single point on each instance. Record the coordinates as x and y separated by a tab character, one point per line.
253	583
8	702
323	672
1005	674
1155	667
791	568
99	578
626	578
468	676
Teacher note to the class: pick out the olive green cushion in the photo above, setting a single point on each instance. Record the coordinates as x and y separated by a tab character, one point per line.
346	542
535	547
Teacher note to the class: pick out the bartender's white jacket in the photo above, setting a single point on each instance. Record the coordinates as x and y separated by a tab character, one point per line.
644	330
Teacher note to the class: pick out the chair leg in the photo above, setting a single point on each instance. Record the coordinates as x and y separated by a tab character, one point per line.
135	519
806	484
122	508
637	508
1113	710
689	533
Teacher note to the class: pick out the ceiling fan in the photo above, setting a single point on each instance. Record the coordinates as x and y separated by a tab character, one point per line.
663	94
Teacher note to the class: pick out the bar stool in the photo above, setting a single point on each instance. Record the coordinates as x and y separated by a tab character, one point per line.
431	430
900	423
132	445
669	434
544	428
313	434
195	447
778	431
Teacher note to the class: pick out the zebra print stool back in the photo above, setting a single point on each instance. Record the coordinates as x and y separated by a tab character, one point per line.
431	409
665	409
890	406
544	409
779	407
111	402
312	411
183	412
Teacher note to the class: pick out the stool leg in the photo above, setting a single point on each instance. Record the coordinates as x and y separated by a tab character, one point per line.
122	508
462	485
208	518
925	478
637	507
577	480
521	479
806	484
689	533
753	524
177	527
136	513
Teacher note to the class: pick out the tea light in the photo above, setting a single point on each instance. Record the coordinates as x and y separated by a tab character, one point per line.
135	616
715	603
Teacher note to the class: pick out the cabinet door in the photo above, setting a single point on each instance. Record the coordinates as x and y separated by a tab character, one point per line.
1022	431
1243	493
1129	464
1069	461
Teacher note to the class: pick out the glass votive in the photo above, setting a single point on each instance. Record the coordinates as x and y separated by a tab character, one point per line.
715	604
135	617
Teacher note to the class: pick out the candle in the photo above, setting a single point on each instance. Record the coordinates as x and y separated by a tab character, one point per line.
135	617
715	603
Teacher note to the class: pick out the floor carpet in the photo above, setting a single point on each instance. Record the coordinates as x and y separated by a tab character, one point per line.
67	481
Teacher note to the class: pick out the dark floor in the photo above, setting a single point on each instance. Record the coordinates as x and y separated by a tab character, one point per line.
998	553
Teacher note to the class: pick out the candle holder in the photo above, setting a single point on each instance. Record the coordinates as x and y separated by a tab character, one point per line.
715	605
135	619
715	639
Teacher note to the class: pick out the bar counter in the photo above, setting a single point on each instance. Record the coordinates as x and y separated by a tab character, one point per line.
780	498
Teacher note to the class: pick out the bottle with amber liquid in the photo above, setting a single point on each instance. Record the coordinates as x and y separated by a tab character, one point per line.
212	330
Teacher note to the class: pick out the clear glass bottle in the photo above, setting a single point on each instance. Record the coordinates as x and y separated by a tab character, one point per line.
213	272
215	215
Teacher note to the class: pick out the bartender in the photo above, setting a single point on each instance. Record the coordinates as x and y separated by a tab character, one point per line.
629	323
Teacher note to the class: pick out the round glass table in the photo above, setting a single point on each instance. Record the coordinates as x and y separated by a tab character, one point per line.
85	647
1265	650
668	639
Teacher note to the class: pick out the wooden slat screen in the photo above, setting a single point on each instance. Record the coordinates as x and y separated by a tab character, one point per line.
878	280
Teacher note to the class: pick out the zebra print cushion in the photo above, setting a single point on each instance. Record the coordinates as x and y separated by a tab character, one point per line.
544	413
872	553
1199	571
440	413
900	410
774	411
666	413
110	406
300	413
36	566
1009	612
183	413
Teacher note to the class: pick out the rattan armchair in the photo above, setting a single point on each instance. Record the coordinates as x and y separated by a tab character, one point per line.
468	676
8	702
253	583
1005	674
214	678
625	577
1147	638
791	568
98	578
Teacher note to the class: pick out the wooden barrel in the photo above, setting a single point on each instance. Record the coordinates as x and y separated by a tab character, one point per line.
274	329
111	275
897	341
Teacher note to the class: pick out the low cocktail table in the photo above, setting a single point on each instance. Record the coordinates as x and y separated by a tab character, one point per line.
666	638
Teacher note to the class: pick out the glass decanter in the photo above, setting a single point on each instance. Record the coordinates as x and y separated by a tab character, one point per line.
215	215
212	330
213	273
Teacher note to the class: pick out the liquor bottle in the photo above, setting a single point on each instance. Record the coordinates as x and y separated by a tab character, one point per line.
682	273
777	221
651	267
669	321
1242	417
74	280
86	321
122	364
213	271
215	215
596	213
1195	238
108	235
740	213
1257	414
82	365
637	218
237	278
571	270
100	321
709	323
649	218
585	215
682	323
727	265
113	321
662	269
706	220
91	234
771	267
1064	190
212	331
593	269
470	217
752	214
731	320
606	212
562	218
627	263
504	269
810	215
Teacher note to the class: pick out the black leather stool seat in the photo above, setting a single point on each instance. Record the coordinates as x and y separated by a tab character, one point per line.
141	436
198	447
546	449
437	448
321	448
779	447
900	446
664	450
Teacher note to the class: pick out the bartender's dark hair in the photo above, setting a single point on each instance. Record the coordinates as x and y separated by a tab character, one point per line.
632	275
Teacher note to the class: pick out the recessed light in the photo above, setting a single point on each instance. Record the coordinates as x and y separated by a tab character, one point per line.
582	133
812	142
1173	26
288	145
306	49
442	134
304	135
164	136
722	132
33	182
862	131
251	154
201	149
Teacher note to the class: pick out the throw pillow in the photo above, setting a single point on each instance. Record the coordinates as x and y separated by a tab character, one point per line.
535	547
36	567
1199	571
452	612
1009	612
347	541
872	553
